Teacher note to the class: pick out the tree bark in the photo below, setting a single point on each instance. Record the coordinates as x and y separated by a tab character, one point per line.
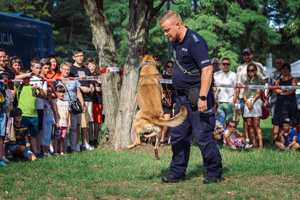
106	49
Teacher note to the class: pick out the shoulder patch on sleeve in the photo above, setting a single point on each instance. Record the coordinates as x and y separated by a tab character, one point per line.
205	61
196	39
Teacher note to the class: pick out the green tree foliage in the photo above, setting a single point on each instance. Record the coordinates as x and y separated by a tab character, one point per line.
228	26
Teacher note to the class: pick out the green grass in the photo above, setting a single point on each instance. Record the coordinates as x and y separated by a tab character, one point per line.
135	174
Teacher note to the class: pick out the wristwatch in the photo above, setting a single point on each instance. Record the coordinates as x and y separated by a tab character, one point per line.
202	98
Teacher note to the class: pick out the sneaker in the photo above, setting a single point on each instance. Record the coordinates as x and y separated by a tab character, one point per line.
77	148
88	147
2	163
209	180
5	160
51	149
169	178
248	146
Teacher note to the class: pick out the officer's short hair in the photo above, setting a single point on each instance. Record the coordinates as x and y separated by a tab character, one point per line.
169	14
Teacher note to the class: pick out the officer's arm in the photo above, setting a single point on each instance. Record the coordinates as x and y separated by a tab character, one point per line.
206	79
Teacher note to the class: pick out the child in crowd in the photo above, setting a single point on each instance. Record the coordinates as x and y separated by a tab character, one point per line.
233	138
63	118
219	133
48	122
27	102
288	137
20	146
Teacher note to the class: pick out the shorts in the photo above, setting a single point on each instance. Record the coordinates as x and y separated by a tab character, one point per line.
255	112
97	113
61	133
3	120
87	116
32	124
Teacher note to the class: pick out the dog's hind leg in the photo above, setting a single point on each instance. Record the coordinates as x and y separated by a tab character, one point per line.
137	131
157	142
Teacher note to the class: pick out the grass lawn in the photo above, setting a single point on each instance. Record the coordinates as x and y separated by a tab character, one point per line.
135	174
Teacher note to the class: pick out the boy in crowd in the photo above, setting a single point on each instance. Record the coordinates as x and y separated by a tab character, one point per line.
288	137
27	102
20	147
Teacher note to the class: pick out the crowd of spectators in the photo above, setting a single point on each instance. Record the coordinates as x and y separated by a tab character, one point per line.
36	120
36	115
236	102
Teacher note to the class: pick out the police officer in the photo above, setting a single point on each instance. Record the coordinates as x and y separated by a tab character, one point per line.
192	77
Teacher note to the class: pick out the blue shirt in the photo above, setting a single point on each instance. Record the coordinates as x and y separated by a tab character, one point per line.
292	134
191	53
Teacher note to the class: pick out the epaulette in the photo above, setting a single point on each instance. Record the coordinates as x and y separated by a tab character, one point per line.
196	39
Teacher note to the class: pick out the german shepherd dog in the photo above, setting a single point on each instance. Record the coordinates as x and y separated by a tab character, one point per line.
149	120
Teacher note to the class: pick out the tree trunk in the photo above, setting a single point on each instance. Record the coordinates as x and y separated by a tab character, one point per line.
105	47
120	116
138	27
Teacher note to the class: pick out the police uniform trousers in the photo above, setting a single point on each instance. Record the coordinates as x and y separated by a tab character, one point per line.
201	126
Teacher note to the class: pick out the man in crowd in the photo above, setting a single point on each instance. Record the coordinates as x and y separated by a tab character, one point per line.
79	70
192	74
225	94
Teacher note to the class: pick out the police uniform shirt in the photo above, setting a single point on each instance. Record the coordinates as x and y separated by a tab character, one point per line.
191	53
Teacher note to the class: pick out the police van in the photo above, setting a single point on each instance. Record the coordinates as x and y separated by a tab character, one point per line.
25	37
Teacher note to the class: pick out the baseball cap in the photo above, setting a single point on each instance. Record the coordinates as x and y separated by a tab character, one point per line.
247	51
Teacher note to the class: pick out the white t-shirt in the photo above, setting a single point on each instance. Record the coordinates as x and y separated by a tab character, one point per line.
229	79
38	82
63	112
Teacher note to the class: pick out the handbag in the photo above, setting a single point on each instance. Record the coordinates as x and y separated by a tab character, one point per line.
75	105
265	106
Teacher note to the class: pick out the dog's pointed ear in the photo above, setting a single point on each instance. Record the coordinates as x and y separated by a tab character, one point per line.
148	58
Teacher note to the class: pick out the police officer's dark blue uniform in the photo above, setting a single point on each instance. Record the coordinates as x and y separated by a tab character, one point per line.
192	54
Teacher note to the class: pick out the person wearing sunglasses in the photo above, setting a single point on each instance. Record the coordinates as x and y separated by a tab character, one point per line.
253	106
224	95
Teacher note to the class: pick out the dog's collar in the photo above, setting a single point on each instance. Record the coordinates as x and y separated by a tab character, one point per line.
146	63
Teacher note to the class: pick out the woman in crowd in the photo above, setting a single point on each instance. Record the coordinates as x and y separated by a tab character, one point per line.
97	103
54	68
253	106
286	103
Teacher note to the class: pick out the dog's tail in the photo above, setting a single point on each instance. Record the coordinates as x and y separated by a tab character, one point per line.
172	122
